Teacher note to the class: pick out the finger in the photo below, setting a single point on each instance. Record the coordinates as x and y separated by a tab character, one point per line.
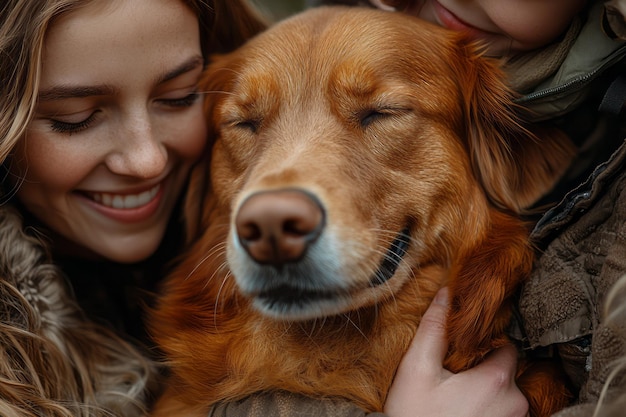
429	346
501	362
496	376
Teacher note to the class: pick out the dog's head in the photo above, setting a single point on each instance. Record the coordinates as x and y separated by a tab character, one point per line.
355	147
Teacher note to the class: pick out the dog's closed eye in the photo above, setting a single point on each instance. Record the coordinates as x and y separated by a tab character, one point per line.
370	115
251	125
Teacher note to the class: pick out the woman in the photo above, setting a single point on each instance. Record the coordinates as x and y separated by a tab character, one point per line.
100	124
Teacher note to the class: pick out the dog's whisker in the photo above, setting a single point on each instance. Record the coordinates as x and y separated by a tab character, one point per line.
358	329
287	325
310	333
208	92
224	279
219	248
322	321
231	70
198	265
227	276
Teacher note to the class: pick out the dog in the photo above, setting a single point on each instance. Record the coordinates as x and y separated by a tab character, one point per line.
361	160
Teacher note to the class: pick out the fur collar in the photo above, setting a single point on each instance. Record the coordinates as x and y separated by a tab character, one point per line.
59	363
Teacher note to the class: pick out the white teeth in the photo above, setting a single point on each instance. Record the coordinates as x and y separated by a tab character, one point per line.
127	201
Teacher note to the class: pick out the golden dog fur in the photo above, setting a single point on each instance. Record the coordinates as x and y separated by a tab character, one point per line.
404	135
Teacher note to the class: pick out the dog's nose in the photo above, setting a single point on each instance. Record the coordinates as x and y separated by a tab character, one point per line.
277	227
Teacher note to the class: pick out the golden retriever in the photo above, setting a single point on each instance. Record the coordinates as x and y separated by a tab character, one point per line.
362	160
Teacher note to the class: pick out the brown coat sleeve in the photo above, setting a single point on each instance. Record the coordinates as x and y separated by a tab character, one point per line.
606	387
283	404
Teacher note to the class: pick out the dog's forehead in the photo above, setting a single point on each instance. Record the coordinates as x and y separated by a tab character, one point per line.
343	61
333	34
331	42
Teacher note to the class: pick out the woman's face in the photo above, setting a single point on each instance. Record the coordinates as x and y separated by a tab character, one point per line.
507	26
118	125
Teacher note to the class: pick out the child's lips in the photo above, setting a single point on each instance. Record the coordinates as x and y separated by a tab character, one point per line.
452	21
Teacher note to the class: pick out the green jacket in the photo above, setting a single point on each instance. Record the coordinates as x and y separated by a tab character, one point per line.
570	84
581	240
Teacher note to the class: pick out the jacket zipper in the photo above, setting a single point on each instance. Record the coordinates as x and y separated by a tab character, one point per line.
576	82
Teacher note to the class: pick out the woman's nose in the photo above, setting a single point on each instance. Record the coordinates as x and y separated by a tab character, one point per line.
138	151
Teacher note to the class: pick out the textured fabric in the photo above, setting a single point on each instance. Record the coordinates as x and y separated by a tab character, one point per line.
52	356
580	265
525	71
283	404
584	256
589	56
608	369
582	240
112	294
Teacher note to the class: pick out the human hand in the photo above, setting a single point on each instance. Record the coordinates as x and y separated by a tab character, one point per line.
422	387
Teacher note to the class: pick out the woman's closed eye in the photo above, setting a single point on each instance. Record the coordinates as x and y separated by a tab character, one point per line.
67	127
185	101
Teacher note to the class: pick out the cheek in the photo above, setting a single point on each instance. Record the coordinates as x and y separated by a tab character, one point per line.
189	135
535	24
53	163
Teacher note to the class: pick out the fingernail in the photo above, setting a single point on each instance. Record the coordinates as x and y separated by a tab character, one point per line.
441	297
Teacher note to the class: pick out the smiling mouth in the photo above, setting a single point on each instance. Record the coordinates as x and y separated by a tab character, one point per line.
125	201
287	296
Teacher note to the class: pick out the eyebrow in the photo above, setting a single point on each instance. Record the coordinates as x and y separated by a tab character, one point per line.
61	92
190	64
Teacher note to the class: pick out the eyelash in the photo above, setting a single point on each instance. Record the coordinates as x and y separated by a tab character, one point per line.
186	101
70	128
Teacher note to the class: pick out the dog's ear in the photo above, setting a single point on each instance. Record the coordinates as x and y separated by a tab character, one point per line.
516	163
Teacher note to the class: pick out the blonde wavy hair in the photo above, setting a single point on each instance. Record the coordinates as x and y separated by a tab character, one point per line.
54	362
224	25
